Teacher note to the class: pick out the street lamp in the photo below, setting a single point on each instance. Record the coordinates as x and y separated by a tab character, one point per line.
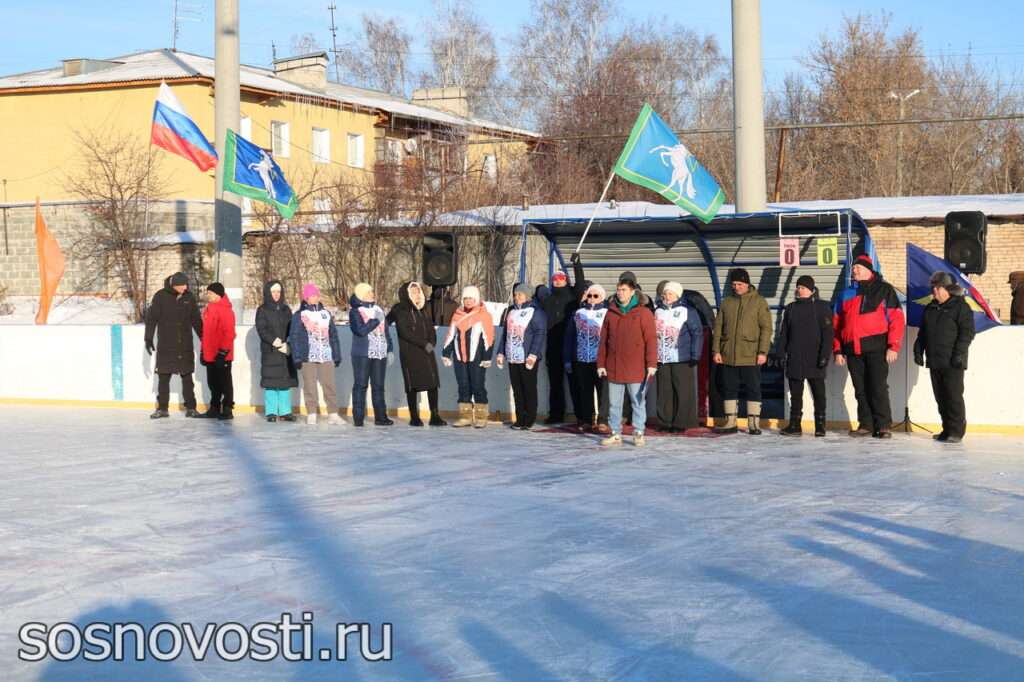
899	138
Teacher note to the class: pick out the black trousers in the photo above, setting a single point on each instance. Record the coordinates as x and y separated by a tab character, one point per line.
796	396
222	390
948	387
748	376
524	390
585	381
412	400
869	373
163	391
677	395
556	379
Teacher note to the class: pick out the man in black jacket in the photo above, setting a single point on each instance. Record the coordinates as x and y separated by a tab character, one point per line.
172	316
805	344
947	329
559	306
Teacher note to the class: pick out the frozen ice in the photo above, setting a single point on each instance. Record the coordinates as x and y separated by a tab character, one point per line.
502	555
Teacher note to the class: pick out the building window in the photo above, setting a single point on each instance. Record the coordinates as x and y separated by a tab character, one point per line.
491	166
280	141
247	212
356	151
321	145
245	128
322	208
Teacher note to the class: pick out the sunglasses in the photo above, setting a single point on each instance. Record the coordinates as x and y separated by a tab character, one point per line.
593	295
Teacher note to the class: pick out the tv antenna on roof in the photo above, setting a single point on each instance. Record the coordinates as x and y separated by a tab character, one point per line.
183	12
334	42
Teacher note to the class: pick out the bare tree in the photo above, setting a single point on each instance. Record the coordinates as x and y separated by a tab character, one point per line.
378	56
305	44
463	54
119	176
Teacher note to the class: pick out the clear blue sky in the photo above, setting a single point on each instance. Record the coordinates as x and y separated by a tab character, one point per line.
36	36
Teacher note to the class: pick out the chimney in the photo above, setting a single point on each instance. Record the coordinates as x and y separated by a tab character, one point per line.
307	70
79	66
450	99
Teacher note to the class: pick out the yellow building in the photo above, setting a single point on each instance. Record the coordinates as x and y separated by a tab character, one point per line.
311	125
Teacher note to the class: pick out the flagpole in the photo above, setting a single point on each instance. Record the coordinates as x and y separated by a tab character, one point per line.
596	209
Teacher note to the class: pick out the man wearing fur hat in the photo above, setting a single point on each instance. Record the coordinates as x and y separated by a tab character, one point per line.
868	333
947	329
740	341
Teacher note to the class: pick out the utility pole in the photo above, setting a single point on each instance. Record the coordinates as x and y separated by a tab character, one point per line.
748	106
899	139
334	44
227	206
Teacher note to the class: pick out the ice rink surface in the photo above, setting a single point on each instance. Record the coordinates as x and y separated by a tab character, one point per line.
500	555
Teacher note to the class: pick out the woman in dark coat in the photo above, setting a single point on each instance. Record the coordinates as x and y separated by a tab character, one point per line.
416	340
805	347
172	316
277	372
947	329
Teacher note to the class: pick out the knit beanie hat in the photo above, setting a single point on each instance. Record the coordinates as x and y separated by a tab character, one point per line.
739	275
523	289
217	288
309	290
178	279
866	261
362	291
673	287
471	292
806	281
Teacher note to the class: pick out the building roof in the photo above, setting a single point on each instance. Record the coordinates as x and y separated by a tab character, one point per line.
873	210
169	65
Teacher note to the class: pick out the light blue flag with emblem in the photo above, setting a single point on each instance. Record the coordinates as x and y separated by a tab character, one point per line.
251	171
655	158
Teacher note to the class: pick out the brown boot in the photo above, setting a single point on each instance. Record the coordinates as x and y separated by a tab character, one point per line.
731	408
465	415
481	414
753	418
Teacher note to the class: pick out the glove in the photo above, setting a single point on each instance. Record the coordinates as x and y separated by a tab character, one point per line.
283	348
221	359
485	364
149	347
919	359
575	258
447	362
602	372
429	347
957	361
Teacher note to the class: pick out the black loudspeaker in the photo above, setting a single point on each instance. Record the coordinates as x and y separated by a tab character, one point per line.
965	241
440	259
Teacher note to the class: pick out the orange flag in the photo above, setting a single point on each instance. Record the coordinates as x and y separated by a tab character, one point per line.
51	265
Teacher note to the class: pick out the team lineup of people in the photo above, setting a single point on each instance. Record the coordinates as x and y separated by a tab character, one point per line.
609	347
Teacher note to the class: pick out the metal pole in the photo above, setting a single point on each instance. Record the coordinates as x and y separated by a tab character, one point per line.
227	206
780	166
899	154
748	106
596	209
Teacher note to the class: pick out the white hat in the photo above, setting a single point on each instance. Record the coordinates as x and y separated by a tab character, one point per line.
675	287
473	293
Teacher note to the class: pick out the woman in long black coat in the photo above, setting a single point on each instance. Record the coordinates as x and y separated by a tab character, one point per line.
416	340
277	372
805	346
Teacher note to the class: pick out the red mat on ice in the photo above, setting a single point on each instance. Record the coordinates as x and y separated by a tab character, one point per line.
700	432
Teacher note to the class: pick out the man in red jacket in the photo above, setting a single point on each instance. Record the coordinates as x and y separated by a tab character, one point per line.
627	355
868	334
218	351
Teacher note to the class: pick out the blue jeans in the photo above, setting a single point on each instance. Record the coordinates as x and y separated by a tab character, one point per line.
615	396
367	371
277	401
472	381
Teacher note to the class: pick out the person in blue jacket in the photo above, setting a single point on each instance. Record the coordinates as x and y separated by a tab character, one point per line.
579	351
680	341
524	335
371	345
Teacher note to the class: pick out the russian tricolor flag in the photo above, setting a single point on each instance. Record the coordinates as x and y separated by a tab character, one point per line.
177	133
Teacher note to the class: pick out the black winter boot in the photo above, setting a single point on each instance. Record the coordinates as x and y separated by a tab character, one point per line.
435	420
793	428
819	426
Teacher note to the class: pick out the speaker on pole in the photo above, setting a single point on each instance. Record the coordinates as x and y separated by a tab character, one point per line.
440	259
965	241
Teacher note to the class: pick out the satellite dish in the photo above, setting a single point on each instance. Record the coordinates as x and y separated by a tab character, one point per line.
410	145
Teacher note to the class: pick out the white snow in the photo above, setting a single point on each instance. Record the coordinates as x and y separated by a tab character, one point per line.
501	555
69	310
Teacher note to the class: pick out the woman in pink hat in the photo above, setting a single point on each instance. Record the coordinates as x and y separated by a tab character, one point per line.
316	352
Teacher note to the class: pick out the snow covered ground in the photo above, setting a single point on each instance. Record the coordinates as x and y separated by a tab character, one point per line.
500	555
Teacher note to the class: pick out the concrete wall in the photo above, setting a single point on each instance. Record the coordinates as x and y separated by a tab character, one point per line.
90	365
